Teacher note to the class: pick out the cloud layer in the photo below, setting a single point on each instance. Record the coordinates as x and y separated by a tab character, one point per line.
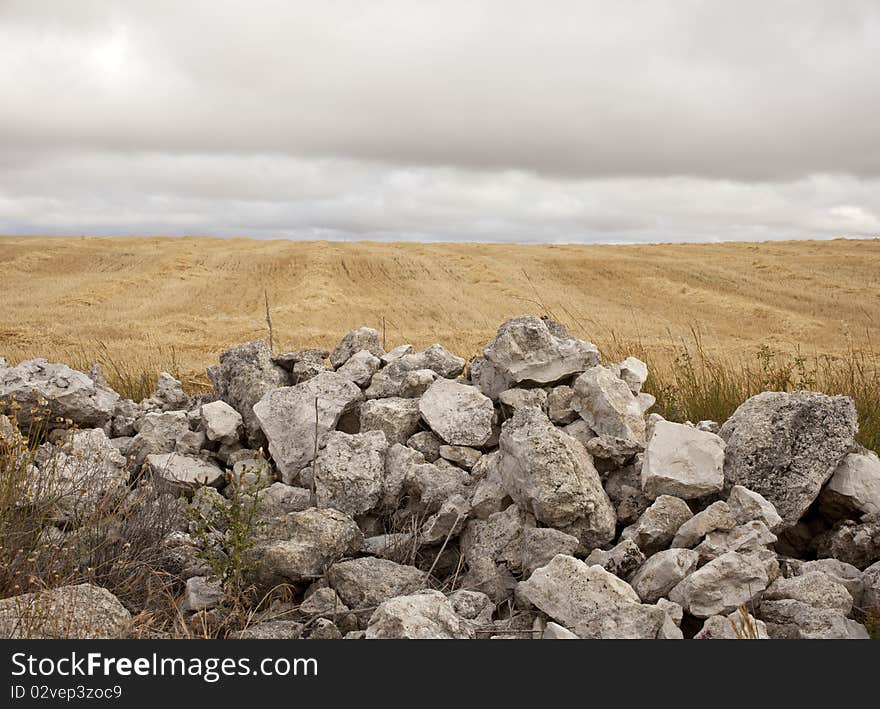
554	121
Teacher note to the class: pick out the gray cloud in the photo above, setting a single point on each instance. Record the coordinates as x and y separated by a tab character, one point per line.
553	121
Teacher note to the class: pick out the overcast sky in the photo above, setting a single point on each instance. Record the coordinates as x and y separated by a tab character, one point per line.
469	120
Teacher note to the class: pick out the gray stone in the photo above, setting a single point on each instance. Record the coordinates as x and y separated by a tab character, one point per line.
785	446
246	373
554	631
559	405
814	589
360	368
634	372
722	585
846	575
662	572
736	626
398	546
279	499
82	612
622	560
856	544
537	350
871	584
426	615
53	392
367	582
396	417
447	522
156	433
742	538
168	395
472	605
610	453
541	544
624	488
400	382
457	413
221	422
550	474
201	594
425	442
517	398
854	488
322	629
397	353
590	601
349	471
607	405
288	416
747	505
790	619
184	473
272	630
463	456
682	461
657	526
364	338
716	516
500	538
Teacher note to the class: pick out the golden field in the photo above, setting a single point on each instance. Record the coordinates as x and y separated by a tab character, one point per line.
184	300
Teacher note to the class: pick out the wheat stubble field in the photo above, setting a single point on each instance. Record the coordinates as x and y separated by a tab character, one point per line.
153	299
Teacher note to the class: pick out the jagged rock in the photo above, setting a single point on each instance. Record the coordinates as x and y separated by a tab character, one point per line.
325	603
735	626
301	545
792	619
290	418
624	488
495	580
367	582
634	372
349	471
425	615
76	478
472	605
156	433
682	461
400	382
322	629
541	544
82	612
785	446
364	338
457	412
425	442
622	560
489	495
447	522
247	373
463	456
537	350
742	538
856	544
854	488
662	572
400	461
747	505
397	353
646	402
870	597
590	601
607	405
846	575
279	499
184	473
559	409
716	516
517	398
125	413
499	538
722	585
398	546
550	474
611	453
221	422
673	610
657	526
360	368
429	485
55	392
302	365
168	395
190	443
814	589
202	593
396	417
272	630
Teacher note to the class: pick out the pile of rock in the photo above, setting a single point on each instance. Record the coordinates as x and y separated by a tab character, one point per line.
527	493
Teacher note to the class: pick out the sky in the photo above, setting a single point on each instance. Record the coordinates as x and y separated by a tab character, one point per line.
482	120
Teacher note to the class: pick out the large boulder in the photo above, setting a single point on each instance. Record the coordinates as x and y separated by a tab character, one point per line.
550	474
854	488
302	545
246	373
457	412
723	585
791	619
221	422
853	543
590	602
82	612
607	405
682	461
55	393
420	616
813	588
785	446
367	582
292	416
537	350
747	506
349	471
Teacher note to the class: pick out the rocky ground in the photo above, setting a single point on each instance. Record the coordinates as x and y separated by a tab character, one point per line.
391	495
